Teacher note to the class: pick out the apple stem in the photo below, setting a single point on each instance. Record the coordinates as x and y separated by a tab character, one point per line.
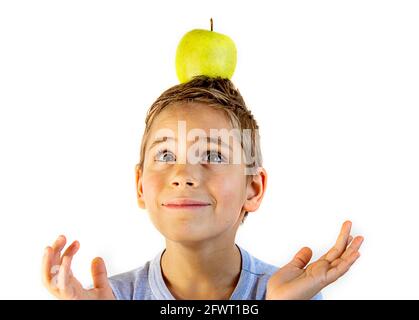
211	23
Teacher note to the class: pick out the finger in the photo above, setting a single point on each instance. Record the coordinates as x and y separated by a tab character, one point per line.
349	240
65	269
57	246
46	266
354	247
336	261
64	274
71	250
342	266
59	243
302	257
99	273
341	242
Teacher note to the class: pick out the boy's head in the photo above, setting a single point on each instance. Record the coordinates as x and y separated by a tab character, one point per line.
200	143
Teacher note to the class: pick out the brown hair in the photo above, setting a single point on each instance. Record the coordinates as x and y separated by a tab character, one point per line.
216	92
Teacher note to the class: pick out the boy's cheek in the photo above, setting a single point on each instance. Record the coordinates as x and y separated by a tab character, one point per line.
151	187
228	191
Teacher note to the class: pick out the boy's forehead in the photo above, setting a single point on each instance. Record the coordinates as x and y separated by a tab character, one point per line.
186	124
193	115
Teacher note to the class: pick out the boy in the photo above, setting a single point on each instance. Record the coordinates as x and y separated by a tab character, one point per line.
200	173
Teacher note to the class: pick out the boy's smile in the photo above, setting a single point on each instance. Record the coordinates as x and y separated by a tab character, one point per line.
185	203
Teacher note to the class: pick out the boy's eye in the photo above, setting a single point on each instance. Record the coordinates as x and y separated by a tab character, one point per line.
209	157
214	157
163	153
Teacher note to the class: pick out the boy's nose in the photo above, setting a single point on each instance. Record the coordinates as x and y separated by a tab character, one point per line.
178	182
184	176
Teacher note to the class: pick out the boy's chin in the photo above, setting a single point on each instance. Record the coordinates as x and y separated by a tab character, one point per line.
190	236
187	237
188	230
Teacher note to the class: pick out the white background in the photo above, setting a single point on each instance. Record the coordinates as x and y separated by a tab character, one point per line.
333	85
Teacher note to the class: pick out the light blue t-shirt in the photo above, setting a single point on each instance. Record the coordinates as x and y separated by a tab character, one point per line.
146	282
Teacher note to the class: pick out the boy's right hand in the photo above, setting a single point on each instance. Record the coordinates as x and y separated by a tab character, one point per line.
59	280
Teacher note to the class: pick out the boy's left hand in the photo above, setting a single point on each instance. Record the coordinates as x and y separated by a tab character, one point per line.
294	281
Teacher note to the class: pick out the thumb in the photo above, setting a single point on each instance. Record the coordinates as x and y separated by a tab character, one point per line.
301	258
99	274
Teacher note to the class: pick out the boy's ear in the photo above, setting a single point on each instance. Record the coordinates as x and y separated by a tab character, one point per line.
139	186
255	190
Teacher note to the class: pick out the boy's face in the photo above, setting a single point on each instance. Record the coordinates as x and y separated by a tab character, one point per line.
169	175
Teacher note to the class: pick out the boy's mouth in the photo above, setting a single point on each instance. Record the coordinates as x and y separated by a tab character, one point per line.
185	203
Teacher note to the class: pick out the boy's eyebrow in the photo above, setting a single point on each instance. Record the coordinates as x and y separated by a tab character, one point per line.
209	139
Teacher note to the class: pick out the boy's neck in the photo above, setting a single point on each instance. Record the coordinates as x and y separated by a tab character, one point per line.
206	271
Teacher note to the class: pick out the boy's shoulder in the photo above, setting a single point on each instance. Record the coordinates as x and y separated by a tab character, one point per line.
260	267
130	283
255	273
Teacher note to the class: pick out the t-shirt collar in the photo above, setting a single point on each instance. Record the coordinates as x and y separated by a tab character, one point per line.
241	292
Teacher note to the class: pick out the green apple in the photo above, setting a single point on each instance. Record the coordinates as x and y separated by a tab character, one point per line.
205	52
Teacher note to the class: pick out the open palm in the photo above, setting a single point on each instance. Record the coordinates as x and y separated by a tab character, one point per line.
297	280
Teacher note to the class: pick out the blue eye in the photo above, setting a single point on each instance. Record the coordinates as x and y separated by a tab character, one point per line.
162	152
214	157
